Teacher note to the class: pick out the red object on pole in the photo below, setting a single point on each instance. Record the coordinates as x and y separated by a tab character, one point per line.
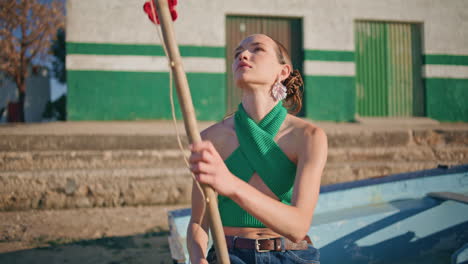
149	12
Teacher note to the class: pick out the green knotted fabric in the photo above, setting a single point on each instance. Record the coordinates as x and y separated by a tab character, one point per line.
258	152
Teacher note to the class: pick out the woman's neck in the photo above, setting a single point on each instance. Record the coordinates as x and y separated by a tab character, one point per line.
257	104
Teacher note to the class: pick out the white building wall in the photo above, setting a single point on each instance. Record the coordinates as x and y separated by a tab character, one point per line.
328	41
328	25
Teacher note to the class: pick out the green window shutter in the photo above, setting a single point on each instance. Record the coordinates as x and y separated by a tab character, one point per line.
388	69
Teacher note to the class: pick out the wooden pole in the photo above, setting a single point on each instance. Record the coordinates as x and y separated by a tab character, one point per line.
190	123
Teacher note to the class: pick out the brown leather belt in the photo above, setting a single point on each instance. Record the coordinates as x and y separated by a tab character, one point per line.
267	244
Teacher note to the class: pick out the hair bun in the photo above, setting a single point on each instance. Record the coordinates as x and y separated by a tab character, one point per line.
294	95
293	83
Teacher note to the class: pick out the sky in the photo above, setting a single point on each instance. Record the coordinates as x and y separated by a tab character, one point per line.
56	89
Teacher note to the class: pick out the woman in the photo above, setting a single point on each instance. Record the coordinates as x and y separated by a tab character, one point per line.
264	164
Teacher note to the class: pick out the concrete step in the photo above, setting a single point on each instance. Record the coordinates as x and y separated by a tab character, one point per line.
97	159
352	171
336	139
60	189
91	159
81	165
35	142
458	154
84	188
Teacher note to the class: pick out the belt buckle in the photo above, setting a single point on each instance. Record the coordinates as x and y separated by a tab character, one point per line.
257	245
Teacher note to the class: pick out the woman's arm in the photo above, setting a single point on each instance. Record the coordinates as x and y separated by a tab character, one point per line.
198	227
197	231
292	221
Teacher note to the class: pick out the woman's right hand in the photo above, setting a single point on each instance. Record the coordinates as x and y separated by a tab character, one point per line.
209	168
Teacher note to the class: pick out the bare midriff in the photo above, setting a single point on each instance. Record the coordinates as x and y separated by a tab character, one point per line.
250	232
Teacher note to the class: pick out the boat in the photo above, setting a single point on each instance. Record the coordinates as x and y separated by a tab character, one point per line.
415	217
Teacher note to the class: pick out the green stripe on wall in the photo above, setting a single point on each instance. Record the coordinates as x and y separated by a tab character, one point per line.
198	51
142	50
330	98
114	49
348	56
328	55
220	52
106	95
446	99
446	59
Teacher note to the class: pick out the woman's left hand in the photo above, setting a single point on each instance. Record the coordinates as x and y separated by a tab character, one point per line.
209	168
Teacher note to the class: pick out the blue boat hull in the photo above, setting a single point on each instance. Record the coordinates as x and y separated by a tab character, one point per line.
418	217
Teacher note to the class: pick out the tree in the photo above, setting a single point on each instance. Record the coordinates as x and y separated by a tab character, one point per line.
27	28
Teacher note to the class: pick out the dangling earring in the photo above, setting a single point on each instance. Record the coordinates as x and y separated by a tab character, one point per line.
278	91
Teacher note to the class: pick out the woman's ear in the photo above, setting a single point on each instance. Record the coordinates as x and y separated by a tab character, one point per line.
286	70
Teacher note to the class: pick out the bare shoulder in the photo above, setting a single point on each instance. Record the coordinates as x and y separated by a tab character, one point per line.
219	129
308	137
220	133
305	130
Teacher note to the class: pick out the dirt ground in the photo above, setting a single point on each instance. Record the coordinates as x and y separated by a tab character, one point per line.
94	235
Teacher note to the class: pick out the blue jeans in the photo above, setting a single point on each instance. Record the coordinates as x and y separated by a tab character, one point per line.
251	256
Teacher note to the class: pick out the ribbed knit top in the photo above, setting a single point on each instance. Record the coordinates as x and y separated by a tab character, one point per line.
258	152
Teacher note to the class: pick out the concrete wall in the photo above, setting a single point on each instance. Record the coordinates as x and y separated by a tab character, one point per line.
37	96
117	68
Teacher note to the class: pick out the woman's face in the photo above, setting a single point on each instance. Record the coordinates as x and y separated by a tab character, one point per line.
256	62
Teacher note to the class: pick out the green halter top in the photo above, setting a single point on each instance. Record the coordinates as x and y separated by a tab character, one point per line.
258	152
